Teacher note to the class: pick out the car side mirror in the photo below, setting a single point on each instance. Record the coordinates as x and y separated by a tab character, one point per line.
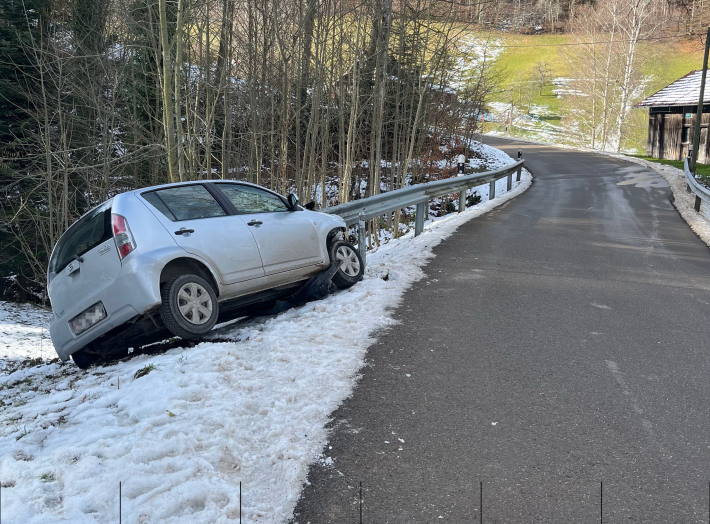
292	201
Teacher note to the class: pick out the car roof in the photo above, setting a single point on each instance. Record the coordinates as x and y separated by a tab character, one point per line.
191	182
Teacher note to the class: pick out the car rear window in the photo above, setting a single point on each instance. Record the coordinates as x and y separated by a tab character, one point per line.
89	231
185	202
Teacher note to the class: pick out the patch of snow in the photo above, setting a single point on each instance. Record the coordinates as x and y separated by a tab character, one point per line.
182	437
24	333
559	93
474	55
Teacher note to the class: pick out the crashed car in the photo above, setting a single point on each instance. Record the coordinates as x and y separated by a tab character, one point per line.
176	259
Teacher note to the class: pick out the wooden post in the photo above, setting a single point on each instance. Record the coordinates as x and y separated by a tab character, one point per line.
701	101
422	210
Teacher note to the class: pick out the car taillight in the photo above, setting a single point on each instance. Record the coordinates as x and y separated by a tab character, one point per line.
122	235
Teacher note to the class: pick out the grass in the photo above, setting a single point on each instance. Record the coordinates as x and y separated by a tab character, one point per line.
516	69
671	60
703	170
142	372
517	66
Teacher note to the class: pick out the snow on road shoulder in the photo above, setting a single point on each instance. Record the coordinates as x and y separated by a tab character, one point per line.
180	430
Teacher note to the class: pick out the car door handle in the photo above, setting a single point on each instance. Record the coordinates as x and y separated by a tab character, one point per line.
184	231
254	223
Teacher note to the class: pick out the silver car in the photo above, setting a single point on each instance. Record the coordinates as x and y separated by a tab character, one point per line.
177	258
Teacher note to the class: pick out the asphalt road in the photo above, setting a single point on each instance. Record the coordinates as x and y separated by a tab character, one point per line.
556	343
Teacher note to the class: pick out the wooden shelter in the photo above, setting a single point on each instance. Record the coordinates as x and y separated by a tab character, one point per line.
671	119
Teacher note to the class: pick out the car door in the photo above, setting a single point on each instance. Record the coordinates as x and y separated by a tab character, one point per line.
287	239
201	225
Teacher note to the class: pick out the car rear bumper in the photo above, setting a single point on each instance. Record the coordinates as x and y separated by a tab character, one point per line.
66	343
129	296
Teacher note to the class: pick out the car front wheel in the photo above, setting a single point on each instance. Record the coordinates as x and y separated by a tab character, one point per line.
189	309
349	262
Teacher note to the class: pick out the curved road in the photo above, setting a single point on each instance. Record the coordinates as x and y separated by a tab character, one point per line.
557	342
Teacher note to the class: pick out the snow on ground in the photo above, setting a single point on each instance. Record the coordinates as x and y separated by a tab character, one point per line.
535	123
23	333
182	428
473	54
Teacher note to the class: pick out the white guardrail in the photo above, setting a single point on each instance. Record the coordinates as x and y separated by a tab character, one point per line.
702	193
357	212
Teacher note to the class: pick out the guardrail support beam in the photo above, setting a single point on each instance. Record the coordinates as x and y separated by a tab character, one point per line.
697	203
422	210
492	190
462	201
361	238
510	182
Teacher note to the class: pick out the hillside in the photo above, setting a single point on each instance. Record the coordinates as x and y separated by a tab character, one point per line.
543	112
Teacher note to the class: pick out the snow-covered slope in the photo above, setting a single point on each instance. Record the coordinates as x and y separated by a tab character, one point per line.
181	429
24	333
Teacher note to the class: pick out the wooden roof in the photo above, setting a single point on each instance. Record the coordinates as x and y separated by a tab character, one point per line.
683	92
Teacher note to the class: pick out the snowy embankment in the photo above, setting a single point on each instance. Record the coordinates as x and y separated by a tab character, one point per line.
181	429
24	334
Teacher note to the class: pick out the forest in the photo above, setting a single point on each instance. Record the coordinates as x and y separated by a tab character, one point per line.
331	99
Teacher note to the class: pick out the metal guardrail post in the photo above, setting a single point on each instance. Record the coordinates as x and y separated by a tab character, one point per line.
520	168
510	182
422	210
361	237
462	201
697	203
492	189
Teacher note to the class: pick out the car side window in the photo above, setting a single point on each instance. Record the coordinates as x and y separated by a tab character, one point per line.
185	202
248	199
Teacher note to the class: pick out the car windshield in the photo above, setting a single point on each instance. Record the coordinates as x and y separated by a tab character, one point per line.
88	232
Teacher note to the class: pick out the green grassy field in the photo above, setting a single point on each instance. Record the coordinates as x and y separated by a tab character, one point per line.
516	70
703	170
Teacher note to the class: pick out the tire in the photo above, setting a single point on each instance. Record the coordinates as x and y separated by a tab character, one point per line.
84	359
187	317
350	265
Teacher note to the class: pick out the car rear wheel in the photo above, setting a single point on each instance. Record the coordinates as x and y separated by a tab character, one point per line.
189	309
84	359
350	266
